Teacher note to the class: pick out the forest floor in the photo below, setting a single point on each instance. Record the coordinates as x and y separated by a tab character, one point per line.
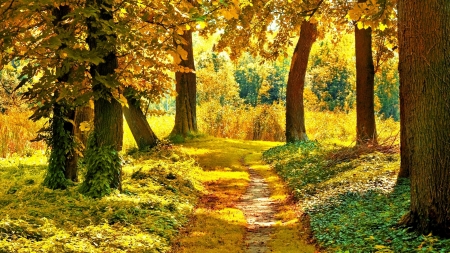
247	207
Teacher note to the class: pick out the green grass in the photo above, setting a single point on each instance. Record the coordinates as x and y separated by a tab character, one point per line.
352	197
160	189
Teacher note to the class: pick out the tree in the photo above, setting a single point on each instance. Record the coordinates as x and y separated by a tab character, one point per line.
186	88
425	94
365	77
102	157
137	121
295	115
63	162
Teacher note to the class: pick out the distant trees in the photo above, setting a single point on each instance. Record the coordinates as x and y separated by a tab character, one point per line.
331	72
425	94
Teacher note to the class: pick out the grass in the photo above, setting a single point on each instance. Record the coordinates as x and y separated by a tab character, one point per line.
160	190
352	197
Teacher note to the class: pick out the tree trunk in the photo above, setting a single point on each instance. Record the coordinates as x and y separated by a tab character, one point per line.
366	132
141	130
108	123
295	111
102	158
71	165
186	88
405	165
424	70
63	158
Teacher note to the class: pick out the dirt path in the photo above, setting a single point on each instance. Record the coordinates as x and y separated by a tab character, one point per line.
245	207
259	211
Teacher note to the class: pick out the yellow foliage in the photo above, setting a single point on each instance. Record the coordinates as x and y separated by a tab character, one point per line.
16	133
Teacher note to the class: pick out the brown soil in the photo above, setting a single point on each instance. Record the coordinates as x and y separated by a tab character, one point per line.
259	211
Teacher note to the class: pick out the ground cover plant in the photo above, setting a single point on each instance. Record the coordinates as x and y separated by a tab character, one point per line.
352	197
160	189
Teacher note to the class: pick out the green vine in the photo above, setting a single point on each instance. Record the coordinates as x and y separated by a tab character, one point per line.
62	144
103	170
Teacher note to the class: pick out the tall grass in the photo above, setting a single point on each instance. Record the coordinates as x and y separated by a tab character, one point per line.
16	133
268	122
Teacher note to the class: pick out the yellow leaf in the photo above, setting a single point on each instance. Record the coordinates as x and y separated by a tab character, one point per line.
175	56
188	27
123	100
183	53
85	126
360	25
227	15
201	24
382	26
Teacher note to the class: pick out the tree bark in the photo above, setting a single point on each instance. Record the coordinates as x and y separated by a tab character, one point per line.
295	111
424	75
186	88
405	165
141	130
366	132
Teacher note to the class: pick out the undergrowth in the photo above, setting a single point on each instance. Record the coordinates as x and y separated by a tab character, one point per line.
160	189
352	197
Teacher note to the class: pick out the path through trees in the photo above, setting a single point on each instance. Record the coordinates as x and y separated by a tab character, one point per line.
246	209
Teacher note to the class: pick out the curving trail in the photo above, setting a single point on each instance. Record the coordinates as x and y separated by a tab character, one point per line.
259	211
245	208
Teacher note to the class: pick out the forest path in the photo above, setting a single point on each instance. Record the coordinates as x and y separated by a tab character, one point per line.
246	207
259	210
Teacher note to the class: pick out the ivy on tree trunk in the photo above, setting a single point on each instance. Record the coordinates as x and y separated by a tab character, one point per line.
102	157
63	165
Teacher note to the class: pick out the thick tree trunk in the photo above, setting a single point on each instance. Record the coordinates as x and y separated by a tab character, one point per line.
103	161
108	123
141	130
366	132
295	111
186	87
424	70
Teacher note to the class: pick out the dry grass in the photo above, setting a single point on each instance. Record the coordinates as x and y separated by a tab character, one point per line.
16	133
267	122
